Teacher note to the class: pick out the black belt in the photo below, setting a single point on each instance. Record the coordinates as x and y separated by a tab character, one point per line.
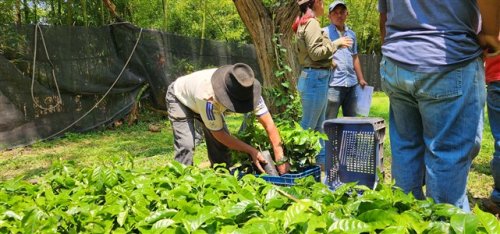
325	68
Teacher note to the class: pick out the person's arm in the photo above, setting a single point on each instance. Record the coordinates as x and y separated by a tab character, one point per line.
490	30
319	46
382	20
359	72
236	144
274	137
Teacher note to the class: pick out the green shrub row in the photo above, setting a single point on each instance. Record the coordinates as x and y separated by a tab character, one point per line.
180	199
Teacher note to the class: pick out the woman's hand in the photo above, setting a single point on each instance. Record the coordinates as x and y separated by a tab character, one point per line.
343	42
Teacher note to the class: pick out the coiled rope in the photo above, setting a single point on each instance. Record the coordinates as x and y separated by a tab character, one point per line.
37	27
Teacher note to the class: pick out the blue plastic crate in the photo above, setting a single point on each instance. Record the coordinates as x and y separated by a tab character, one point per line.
289	179
354	150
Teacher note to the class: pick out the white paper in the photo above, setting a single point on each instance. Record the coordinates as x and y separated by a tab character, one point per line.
363	99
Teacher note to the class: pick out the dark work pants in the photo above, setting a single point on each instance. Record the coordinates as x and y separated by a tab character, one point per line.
182	119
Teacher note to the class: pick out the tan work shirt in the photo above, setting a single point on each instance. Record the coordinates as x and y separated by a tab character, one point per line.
196	92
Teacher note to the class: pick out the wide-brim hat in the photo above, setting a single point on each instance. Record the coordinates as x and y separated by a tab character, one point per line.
236	88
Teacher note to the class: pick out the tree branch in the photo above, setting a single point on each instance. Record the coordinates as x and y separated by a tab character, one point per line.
112	9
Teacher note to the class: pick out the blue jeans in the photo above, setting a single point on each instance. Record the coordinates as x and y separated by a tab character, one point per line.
435	128
313	89
494	117
341	96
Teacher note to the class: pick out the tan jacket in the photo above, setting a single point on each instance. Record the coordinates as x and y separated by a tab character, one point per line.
314	47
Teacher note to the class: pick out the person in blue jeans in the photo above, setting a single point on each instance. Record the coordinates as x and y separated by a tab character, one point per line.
493	103
347	74
490	37
433	73
314	51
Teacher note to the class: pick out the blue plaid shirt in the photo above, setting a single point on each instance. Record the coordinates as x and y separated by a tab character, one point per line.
344	74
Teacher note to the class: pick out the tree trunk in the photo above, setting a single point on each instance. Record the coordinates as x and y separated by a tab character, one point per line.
165	15
35	14
26	12
203	24
18	12
84	11
263	24
59	11
112	9
69	19
101	7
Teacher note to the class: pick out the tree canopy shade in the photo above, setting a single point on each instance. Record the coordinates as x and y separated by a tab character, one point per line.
210	19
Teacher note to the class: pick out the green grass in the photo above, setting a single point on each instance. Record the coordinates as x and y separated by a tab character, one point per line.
146	148
154	149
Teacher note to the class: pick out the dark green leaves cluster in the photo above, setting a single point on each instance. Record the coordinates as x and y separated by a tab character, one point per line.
179	199
300	146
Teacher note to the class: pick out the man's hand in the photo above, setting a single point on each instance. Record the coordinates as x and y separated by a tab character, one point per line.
490	43
283	168
363	83
257	159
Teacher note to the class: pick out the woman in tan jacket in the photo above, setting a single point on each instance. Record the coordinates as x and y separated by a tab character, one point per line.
315	51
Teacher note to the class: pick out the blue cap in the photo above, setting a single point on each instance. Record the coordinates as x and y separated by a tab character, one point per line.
334	4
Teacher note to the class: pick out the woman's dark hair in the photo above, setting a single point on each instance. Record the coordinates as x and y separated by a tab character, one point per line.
304	16
308	5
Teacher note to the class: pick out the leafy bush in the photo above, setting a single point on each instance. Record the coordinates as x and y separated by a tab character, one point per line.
179	199
299	145
285	102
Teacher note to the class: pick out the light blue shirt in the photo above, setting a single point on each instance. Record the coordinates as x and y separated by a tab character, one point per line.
430	35
344	74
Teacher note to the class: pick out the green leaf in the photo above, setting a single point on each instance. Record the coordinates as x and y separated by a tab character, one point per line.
110	177
259	225
238	208
157	215
163	223
415	221
176	168
464	223
316	222
97	173
446	210
349	226
12	214
122	217
438	228
192	223
295	214
378	219
489	222
274	199
395	230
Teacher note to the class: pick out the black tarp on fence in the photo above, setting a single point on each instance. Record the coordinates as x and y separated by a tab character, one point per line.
86	63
